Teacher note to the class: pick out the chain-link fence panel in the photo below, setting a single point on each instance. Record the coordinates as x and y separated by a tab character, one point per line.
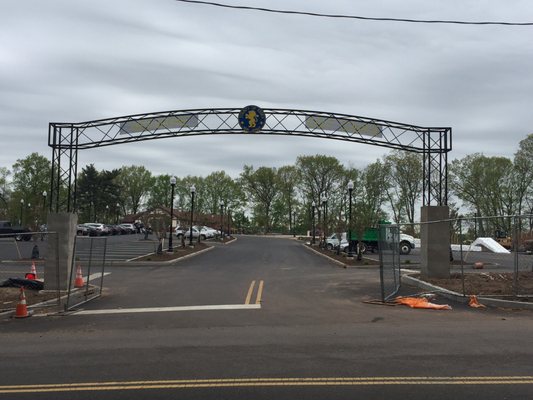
23	261
389	260
87	270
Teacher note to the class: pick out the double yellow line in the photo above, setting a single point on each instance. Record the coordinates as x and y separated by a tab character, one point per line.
267	382
251	292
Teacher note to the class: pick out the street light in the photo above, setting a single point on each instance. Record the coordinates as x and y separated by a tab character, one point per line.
313	205
294	224
193	190
221	219
324	219
172	185
107	213
44	205
21	206
350	190
118	211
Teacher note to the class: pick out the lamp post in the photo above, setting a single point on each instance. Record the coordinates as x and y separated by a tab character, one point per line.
313	205
44	206
324	218
350	190
294	224
221	220
193	190
21	206
118	212
172	185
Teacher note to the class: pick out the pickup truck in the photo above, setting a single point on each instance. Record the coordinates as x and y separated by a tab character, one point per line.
18	232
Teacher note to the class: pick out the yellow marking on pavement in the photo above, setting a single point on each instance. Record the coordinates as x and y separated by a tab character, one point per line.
265	382
259	293
250	291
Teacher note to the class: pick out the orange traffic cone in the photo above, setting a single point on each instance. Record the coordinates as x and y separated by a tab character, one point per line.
34	270
79	278
22	308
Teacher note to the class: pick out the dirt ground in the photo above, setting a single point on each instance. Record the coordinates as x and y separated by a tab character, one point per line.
489	284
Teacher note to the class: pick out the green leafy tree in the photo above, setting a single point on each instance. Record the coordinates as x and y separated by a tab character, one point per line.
98	193
134	182
287	181
31	177
405	185
370	195
159	189
481	183
260	186
523	175
5	191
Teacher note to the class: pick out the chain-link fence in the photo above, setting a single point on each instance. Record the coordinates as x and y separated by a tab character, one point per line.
23	260
32	260
389	260
493	256
87	270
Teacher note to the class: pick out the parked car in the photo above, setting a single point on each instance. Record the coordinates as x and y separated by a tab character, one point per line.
207	231
332	241
82	230
96	229
129	228
186	232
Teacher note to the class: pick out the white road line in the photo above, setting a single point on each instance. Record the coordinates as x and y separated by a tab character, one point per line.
169	309
98	275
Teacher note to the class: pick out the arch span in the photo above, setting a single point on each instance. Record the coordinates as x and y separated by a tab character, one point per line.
66	139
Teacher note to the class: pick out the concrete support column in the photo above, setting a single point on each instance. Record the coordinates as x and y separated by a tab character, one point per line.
60	251
435	242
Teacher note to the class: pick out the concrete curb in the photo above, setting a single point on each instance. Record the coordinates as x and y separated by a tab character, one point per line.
458	297
344	265
133	263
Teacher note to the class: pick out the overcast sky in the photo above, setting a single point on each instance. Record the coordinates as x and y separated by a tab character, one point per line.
73	61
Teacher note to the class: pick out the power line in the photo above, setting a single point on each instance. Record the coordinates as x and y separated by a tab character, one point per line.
311	14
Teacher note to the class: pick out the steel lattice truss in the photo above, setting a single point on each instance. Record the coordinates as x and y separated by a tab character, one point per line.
67	138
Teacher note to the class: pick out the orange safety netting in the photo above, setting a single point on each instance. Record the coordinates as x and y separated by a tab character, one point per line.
474	303
415	302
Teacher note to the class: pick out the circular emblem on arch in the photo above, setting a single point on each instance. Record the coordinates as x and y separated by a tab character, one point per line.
252	119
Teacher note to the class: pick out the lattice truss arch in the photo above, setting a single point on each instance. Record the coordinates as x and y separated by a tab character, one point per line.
67	138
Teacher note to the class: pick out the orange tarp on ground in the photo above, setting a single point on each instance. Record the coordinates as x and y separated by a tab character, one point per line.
415	302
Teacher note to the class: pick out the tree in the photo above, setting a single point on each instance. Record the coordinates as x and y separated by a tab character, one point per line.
4	191
134	182
159	191
523	173
482	183
96	190
320	176
287	180
31	177
370	194
260	185
405	178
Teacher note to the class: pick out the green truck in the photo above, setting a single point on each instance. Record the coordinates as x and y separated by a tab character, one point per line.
370	240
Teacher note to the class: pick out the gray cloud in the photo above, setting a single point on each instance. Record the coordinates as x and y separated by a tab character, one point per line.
77	61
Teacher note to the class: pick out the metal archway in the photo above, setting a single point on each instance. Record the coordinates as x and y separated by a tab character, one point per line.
67	138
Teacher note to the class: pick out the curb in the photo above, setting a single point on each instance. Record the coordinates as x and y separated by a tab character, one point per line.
155	263
458	297
344	265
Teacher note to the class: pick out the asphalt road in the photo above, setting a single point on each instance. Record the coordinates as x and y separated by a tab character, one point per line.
263	318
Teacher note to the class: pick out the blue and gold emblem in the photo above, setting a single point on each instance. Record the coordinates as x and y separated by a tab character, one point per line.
252	119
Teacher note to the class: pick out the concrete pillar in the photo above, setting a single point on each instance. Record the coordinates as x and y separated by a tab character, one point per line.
435	242
60	250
